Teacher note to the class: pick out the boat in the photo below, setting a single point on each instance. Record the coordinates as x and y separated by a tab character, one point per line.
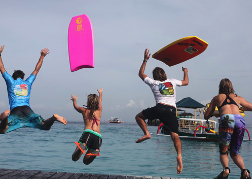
115	120
192	128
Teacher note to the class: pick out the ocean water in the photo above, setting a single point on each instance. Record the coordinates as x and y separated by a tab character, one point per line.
33	149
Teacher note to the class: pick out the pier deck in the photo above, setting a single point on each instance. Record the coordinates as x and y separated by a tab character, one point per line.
37	174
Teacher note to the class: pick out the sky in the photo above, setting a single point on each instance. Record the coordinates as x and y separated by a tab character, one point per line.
122	31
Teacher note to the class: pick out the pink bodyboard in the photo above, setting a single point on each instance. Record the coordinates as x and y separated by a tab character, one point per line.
80	43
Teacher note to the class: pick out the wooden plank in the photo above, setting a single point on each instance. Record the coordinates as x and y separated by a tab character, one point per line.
112	177
121	177
11	175
139	177
76	176
130	177
95	176
150	177
27	173
6	171
165	178
58	175
66	175
43	175
103	176
86	176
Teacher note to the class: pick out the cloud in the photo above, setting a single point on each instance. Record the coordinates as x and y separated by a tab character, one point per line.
131	104
142	105
117	107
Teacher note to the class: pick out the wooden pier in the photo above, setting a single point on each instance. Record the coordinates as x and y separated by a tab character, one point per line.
37	174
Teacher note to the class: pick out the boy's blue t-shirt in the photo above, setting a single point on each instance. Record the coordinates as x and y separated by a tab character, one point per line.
18	90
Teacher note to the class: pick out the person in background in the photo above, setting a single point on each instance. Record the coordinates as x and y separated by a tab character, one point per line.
231	126
164	91
20	113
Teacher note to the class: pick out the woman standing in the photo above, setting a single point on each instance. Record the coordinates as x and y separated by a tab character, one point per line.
231	127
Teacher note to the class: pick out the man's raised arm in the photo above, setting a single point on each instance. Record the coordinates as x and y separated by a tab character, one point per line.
2	69
185	81
141	73
43	52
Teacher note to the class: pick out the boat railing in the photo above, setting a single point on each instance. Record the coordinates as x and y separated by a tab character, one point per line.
190	125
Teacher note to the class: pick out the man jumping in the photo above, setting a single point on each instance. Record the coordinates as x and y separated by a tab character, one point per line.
20	113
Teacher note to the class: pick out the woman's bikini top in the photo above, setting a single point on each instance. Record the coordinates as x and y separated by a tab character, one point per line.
225	102
95	121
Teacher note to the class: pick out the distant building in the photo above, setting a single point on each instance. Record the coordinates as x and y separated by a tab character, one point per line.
185	115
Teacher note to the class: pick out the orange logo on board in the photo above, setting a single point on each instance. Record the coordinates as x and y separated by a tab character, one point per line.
79	25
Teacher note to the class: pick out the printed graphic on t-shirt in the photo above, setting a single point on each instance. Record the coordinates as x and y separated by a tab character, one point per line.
21	90
166	88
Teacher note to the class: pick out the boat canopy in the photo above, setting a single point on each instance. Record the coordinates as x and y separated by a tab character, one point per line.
189	103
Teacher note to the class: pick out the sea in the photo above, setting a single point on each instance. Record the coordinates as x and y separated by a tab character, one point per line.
33	149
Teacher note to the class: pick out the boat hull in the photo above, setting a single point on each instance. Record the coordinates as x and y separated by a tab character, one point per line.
115	122
205	137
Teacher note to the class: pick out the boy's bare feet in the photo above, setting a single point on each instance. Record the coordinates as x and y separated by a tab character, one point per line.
179	164
60	119
145	137
4	114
